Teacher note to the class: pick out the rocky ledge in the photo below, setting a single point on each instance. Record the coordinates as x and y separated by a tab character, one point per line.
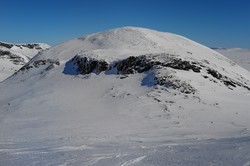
86	65
141	64
50	63
230	83
30	46
144	63
162	65
17	60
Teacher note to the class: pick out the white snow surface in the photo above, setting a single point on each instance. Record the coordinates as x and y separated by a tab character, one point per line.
109	119
7	67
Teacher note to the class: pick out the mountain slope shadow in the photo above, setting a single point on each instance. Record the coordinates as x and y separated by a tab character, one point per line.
70	68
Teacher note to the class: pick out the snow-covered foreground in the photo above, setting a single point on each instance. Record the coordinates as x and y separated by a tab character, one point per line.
128	96
209	152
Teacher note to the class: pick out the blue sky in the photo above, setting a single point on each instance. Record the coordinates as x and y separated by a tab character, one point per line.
215	23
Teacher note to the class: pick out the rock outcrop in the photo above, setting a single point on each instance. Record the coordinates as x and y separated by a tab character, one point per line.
30	46
36	64
86	65
160	64
17	60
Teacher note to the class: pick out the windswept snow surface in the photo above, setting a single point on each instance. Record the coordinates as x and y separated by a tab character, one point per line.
14	56
88	102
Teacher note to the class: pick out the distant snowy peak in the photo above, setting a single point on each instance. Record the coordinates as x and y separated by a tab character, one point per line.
14	56
129	41
129	50
121	43
38	46
24	51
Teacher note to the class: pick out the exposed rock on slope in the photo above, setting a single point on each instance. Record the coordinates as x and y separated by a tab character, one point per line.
155	62
14	56
21	46
17	60
86	65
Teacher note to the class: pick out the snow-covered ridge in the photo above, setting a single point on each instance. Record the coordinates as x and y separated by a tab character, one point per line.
38	46
14	56
24	51
122	43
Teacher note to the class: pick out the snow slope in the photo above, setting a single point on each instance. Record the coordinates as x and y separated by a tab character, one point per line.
93	99
238	55
14	56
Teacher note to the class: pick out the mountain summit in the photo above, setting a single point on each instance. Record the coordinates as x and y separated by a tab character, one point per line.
132	50
125	85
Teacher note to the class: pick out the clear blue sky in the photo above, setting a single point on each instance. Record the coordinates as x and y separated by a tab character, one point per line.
221	23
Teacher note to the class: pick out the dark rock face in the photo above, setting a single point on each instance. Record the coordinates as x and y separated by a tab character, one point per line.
227	81
141	64
214	73
88	65
3	53
144	63
133	64
32	46
168	82
182	65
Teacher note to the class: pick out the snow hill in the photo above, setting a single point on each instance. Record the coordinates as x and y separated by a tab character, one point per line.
238	55
126	88
14	56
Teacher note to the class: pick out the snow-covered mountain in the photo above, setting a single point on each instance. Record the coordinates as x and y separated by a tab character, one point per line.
126	88
238	55
14	56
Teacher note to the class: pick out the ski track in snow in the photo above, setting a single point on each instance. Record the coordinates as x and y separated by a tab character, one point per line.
133	161
234	151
